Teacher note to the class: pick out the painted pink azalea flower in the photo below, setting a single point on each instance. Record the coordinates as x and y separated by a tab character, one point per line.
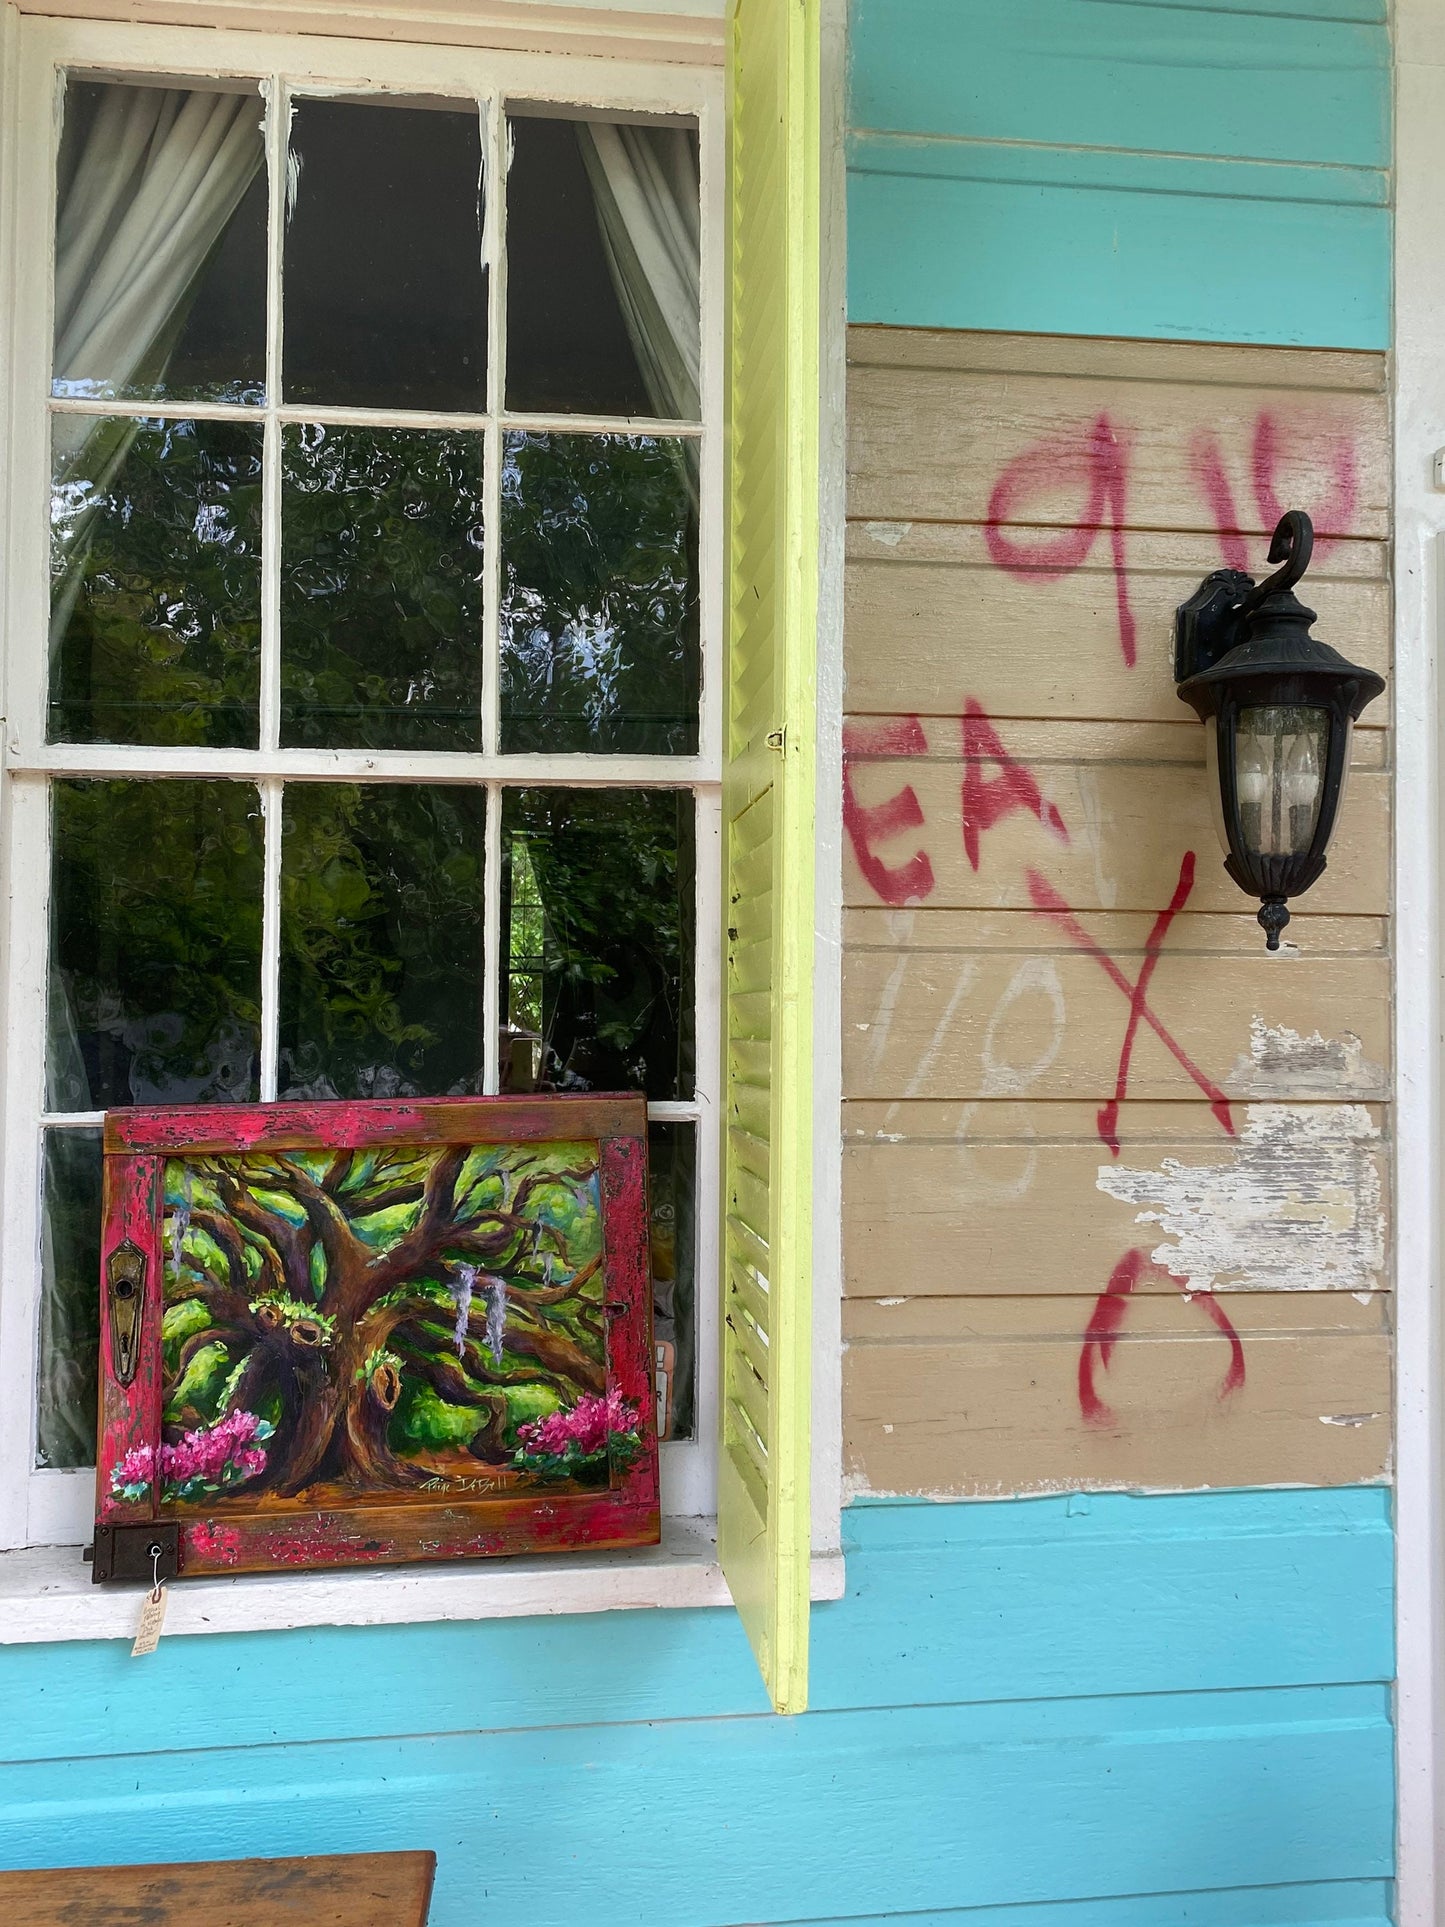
586	1433
207	1459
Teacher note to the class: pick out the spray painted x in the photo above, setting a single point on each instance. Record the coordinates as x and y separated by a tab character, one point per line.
1047	901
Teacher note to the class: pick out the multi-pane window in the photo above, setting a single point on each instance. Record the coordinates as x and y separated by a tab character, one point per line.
374	757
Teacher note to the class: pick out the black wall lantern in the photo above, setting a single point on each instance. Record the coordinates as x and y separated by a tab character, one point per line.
1278	708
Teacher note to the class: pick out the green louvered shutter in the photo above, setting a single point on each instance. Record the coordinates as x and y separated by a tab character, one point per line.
768	810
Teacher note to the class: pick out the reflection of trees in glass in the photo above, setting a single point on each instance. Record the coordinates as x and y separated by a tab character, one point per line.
69	1300
391	1315
381	588
155	943
526	934
381	940
599	616
156	586
614	871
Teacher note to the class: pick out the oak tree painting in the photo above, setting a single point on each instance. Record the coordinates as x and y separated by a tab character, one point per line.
377	1320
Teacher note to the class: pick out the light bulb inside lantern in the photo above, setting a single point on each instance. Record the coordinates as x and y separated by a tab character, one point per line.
1280	752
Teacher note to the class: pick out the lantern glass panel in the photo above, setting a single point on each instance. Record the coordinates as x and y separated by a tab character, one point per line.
1280	755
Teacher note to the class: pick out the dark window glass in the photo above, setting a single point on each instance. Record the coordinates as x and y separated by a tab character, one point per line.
672	1219
568	348
172	181
155	943
69	1299
599	612
381	940
155	590
597	941
381	588
384	288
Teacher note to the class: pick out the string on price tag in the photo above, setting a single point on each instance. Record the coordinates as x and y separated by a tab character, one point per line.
153	1612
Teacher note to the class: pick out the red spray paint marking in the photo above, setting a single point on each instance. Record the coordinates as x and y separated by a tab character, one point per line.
1100	459
988	799
908	882
1048	903
1153	945
1207	465
1107	1321
1332	518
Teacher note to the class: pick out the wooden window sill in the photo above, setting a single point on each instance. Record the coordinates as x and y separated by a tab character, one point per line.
46	1591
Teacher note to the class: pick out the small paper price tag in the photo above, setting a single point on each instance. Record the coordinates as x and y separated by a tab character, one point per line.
152	1618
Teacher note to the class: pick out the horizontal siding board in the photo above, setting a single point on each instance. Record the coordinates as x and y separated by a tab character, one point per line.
1129	821
1343	1903
1002	1199
1213	364
1094	74
933	443
914	587
945	1603
1114	170
1000	1408
1269	1786
942	252
959	1020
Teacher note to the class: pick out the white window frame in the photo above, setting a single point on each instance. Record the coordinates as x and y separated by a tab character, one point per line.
49	1508
1419	728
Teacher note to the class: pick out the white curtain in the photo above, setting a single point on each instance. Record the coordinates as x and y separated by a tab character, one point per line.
158	175
645	184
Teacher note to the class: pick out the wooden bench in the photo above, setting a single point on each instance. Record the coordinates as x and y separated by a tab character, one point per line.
325	1890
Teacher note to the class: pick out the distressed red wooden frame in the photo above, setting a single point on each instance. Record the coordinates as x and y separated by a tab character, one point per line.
394	1527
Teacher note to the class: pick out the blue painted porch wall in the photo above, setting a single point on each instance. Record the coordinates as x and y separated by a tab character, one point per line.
1088	1712
1122	167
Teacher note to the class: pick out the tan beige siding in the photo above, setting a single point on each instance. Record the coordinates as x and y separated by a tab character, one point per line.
1029	834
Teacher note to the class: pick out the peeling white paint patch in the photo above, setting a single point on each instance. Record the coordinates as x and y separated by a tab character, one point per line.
1349	1418
1293	1205
890	534
890	1301
1286	1064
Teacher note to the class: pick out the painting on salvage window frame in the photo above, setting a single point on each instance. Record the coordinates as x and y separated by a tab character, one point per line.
374	1332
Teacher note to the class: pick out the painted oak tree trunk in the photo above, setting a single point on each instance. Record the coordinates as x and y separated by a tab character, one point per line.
334	1284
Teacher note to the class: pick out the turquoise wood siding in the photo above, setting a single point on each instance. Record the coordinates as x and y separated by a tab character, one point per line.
1122	167
999	1723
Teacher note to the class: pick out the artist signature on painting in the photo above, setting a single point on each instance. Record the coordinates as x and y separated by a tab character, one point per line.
440	1484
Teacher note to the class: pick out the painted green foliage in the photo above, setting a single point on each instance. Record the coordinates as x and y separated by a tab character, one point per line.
382	1319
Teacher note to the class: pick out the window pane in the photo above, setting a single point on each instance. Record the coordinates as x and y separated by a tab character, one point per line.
602	269
381	940
155	582
155	944
160	244
597	941
69	1299
381	588
385	293
599	614
672	1184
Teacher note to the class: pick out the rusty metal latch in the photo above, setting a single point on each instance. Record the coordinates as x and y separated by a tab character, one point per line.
149	1553
125	1276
